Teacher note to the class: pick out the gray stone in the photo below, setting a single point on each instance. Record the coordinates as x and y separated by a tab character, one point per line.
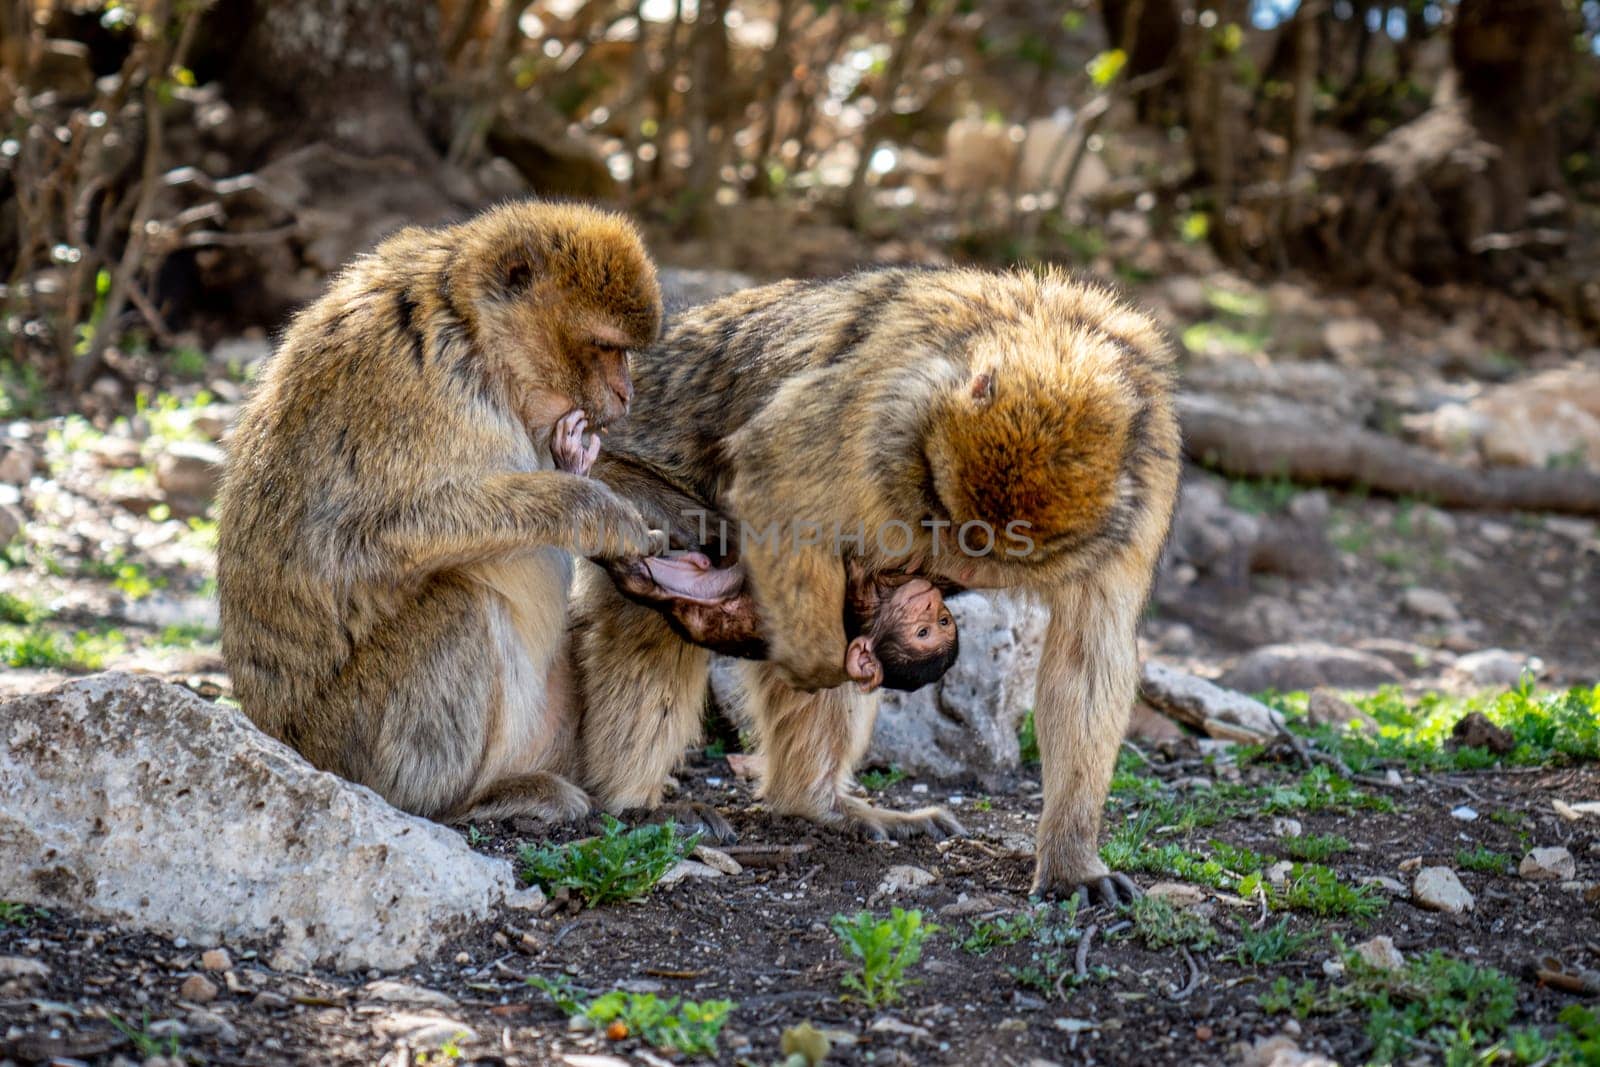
11	523
1439	889
1308	665
1495	667
1429	604
1380	952
135	802
17	461
967	722
189	472
1548	865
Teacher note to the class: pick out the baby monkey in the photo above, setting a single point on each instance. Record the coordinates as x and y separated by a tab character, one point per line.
900	634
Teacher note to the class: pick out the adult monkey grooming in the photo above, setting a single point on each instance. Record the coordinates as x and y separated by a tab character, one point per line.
403	496
899	404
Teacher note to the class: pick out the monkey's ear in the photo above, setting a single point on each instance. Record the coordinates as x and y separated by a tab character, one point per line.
862	665
981	387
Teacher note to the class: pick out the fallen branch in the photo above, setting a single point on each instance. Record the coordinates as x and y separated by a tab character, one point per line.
1224	436
1194	977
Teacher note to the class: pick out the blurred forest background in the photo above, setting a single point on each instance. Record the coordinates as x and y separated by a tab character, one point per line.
173	172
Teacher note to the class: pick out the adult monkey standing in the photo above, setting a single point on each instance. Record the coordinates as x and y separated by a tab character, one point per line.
995	430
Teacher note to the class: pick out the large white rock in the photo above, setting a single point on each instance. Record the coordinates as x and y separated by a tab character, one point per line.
966	723
130	800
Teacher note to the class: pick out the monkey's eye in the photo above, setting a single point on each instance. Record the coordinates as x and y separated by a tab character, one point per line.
923	632
944	620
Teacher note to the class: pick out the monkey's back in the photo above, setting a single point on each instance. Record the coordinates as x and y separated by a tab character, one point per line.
866	344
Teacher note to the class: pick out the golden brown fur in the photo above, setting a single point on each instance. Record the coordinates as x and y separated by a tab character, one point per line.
897	396
395	545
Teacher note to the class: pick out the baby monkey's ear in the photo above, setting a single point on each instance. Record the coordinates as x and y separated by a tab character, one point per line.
862	665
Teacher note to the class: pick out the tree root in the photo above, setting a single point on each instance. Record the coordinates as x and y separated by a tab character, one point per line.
1218	435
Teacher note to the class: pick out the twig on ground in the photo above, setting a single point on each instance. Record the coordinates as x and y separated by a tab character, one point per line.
1080	965
1194	977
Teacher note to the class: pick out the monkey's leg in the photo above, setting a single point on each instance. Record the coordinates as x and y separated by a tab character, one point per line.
642	691
540	795
523	768
812	742
1088	672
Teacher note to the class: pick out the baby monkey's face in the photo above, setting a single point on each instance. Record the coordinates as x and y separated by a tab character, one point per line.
916	615
908	639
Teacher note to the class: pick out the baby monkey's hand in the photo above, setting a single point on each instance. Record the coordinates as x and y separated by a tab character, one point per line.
567	447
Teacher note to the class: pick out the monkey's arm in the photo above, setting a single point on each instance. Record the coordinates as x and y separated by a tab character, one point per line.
507	514
801	595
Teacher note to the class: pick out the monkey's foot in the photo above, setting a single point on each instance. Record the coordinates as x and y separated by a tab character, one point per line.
881	824
567	446
1108	887
694	817
547	797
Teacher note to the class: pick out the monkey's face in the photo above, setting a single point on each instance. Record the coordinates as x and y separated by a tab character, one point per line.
911	641
561	294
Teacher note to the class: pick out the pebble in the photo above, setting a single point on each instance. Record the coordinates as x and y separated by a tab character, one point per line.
689	869
1178	894
216	959
1282	826
211	1024
715	857
1548	865
389	991
1429	604
1464	813
1496	667
1388	885
198	988
1439	889
530	899
1380	952
431	1030
22	967
902	878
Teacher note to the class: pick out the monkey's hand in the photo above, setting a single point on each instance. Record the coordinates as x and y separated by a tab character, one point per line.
566	444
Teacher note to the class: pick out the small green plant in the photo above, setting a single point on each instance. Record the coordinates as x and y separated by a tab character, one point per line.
1270	944
1028	739
475	836
876	781
1317	889
1160	925
1314	847
1435	1001
620	864
1482	858
15	610
185	635
144	1042
669	1024
1051	963
884	949
15	914
717	749
985	935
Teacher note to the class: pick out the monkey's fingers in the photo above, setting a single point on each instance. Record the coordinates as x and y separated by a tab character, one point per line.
592	454
660	541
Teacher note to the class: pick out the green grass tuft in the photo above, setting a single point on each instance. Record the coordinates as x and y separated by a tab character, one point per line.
884	949
619	865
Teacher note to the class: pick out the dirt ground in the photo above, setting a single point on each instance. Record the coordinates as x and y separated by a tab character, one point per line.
128	584
761	939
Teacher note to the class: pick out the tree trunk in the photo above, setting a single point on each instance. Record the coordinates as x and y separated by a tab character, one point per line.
356	72
1152	27
1514	59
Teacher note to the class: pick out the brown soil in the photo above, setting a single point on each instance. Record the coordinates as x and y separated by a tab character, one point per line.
761	939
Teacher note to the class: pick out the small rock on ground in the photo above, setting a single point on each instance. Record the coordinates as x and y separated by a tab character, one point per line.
1548	865
1380	952
1439	889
